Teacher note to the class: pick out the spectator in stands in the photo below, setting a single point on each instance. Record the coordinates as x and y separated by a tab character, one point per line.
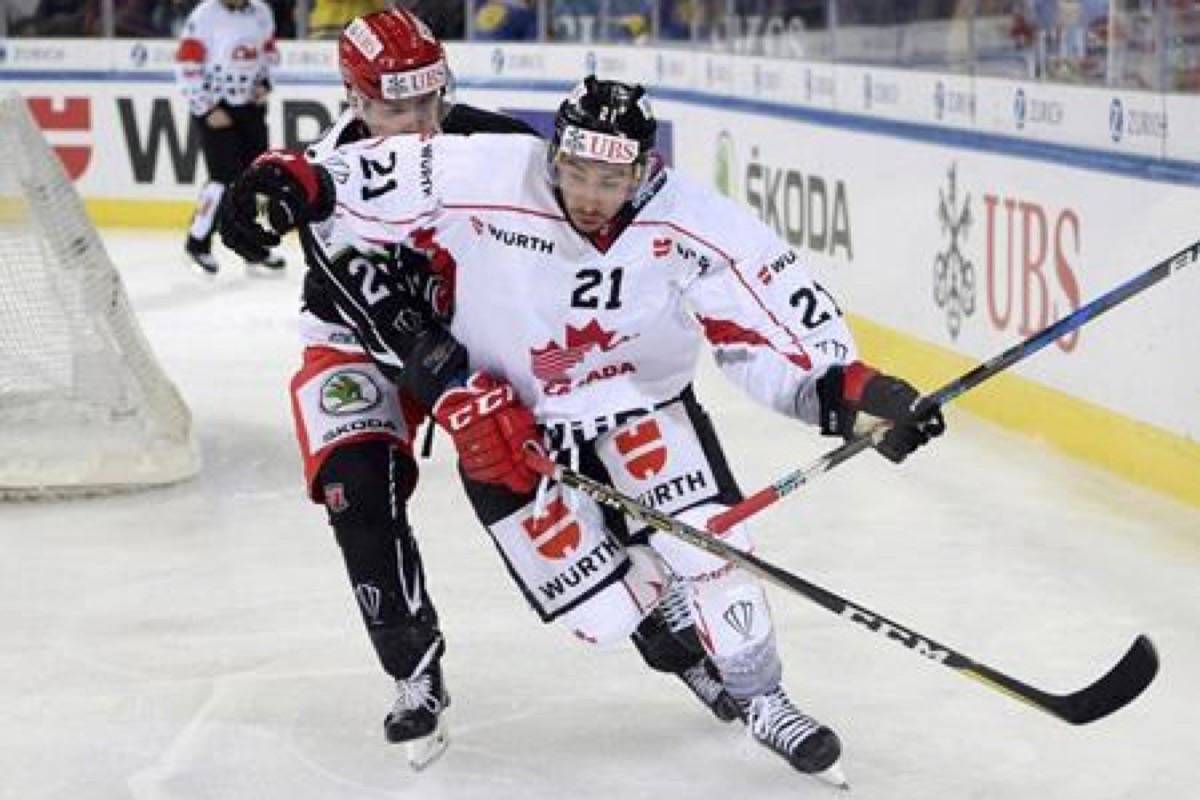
616	21
16	15
507	20
328	17
285	18
174	15
447	20
60	18
141	18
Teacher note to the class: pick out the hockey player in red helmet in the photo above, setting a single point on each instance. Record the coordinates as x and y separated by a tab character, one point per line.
354	427
395	73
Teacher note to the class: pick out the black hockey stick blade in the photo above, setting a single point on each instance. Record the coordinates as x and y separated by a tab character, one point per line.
1124	682
1112	692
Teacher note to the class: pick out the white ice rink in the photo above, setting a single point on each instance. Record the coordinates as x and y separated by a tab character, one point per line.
201	642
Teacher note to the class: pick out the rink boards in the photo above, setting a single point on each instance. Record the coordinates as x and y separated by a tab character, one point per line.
953	216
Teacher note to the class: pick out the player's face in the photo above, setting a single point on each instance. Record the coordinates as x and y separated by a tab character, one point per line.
594	191
421	114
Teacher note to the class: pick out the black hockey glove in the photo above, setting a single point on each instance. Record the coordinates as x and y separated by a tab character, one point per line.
297	192
848	393
434	363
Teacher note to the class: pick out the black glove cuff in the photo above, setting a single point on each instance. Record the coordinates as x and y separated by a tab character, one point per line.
434	363
325	202
835	418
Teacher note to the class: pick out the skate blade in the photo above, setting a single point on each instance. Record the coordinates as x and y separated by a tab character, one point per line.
262	271
834	777
426	750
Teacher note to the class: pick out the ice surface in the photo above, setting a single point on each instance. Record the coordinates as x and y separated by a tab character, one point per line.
200	641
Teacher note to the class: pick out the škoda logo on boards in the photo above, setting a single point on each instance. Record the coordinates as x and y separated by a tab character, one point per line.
808	211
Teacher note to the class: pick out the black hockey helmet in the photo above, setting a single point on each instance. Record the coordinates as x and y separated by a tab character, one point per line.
604	121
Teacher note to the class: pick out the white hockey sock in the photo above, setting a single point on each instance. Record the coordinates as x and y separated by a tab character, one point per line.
735	626
206	210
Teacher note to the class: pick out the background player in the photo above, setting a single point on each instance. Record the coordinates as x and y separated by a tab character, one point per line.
223	67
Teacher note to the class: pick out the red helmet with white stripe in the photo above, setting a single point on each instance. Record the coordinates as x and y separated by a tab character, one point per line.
391	55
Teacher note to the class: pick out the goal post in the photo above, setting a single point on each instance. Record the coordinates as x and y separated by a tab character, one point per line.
84	405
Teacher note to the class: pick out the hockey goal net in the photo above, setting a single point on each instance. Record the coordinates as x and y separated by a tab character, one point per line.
84	406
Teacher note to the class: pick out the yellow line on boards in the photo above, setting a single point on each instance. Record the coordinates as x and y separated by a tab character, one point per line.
140	213
1137	451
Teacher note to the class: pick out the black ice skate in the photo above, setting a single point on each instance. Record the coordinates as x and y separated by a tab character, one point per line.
806	744
702	679
416	717
200	255
675	610
273	264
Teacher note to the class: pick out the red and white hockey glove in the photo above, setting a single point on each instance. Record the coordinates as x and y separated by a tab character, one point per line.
296	191
491	429
852	391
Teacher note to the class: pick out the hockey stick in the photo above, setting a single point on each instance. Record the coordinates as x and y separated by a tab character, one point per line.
960	385
1116	689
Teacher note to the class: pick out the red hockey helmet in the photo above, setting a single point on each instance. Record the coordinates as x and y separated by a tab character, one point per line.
391	55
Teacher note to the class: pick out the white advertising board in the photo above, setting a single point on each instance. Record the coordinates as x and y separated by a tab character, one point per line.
965	212
976	252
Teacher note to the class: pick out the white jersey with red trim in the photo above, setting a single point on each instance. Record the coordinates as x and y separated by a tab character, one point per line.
224	55
585	334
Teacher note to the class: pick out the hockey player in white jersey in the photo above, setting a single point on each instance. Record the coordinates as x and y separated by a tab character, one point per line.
585	279
223	67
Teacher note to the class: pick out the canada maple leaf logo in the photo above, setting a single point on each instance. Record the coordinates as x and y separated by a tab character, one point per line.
552	364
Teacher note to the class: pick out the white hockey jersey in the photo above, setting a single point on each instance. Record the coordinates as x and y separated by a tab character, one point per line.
225	55
586	335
